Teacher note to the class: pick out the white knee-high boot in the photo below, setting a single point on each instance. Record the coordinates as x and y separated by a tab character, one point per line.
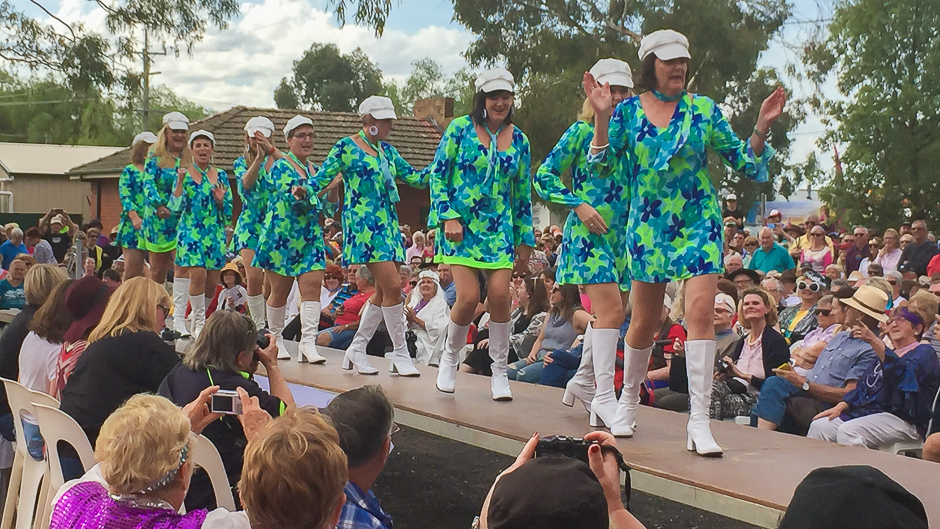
198	303
256	310
356	352
499	352
450	359
604	405
700	362
401	362
309	327
180	297
581	385
276	326
635	366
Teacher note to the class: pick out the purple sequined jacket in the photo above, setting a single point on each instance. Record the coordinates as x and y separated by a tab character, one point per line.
87	505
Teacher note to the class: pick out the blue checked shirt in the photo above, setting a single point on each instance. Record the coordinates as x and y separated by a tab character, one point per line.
362	510
845	358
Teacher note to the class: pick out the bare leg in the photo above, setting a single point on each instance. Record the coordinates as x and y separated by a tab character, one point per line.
133	263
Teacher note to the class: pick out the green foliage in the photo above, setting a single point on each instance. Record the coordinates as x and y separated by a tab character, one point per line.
884	58
325	79
427	80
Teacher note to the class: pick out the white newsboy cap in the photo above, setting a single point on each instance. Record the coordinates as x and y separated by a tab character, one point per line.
495	80
201	134
613	71
259	124
379	107
733	197
176	121
294	122
145	136
666	44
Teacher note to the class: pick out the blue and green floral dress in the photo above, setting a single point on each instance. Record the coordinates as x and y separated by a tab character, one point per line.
202	221
674	220
370	221
254	205
291	239
131	191
586	258
158	187
492	200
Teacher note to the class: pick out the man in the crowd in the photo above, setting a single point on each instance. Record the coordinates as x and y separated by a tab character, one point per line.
788	280
837	369
58	229
743	279
42	251
733	263
731	210
859	251
363	419
906	229
806	351
731	227
917	255
737	242
447	283
12	247
770	256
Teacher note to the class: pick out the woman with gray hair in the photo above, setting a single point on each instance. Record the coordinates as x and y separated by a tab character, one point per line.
427	314
12	247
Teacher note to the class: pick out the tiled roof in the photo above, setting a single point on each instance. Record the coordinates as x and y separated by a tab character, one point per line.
47	159
415	139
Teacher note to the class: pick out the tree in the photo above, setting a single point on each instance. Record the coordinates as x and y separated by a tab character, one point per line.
427	80
325	79
888	116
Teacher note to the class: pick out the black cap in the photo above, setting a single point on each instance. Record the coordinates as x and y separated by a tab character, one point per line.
857	497
548	493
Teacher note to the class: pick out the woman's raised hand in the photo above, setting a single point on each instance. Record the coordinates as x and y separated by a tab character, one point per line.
771	109
598	94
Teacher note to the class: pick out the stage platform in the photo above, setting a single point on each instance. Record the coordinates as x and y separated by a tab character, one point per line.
753	482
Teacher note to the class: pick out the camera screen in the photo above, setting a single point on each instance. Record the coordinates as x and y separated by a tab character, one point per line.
223	404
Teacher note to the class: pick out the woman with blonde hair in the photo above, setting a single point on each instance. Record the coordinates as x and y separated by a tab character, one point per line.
125	355
169	157
131	236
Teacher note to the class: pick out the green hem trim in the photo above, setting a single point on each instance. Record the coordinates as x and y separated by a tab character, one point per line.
161	248
471	263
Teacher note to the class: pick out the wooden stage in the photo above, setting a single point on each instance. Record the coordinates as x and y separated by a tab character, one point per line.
753	482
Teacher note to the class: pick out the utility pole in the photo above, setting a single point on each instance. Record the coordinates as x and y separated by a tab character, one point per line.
145	95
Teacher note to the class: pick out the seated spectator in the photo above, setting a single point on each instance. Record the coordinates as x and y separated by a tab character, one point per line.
788	280
223	356
404	273
873	270
919	253
895	402
890	253
527	494
774	287
670	333
750	245
331	288
566	320
42	251
770	256
447	282
233	296
733	263
905	240
346	321
676	396
818	255
752	360
141	479
930	335
805	351
363	420
85	300
743	279
111	278
12	247
417	248
547	275
427	314
840	284
12	295
125	355
834	272
526	321
797	321
838	369
41	347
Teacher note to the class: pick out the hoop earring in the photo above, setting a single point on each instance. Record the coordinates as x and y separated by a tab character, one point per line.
373	131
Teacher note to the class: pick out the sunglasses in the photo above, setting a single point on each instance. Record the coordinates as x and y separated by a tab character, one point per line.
518	276
165	309
818	234
803	285
823	312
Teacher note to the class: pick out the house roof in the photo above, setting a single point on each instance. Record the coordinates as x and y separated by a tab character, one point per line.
415	139
45	159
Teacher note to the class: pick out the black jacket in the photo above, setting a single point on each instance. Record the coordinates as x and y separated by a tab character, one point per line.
774	350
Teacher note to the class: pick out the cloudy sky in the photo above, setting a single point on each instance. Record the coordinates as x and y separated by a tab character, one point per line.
243	64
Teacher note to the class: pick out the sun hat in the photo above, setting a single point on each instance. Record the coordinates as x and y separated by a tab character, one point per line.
612	71
732	197
379	107
294	122
85	300
260	124
494	80
176	121
855	276
666	44
230	267
201	134
755	277
871	301
145	136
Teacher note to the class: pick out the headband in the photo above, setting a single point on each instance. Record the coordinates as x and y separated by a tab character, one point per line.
165	480
912	317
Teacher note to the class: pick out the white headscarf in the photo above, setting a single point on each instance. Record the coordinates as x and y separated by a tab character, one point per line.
435	315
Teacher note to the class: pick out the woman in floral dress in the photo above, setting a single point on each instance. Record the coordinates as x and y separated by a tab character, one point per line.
131	236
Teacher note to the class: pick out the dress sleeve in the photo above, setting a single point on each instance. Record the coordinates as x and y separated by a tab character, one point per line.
441	178
522	231
126	189
404	171
566	152
150	183
605	163
736	153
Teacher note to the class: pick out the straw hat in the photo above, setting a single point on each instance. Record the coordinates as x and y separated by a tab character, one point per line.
869	300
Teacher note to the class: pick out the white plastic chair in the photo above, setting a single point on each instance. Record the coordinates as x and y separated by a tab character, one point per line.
26	494
56	425
206	456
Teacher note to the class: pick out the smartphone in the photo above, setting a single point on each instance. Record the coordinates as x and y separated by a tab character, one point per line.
664	342
226	402
771	225
785	367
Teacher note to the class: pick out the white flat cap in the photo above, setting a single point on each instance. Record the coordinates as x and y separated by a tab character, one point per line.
613	71
176	121
378	107
145	136
294	122
666	44
259	124
201	134
495	80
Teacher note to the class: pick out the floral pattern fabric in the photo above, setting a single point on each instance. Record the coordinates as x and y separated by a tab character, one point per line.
133	198
370	220
202	221
585	257
254	205
494	209
674	226
158	187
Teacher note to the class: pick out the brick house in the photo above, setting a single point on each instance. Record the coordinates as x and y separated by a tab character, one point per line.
415	138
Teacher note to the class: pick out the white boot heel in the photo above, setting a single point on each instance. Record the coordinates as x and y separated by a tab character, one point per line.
401	363
450	361
347	364
595	421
